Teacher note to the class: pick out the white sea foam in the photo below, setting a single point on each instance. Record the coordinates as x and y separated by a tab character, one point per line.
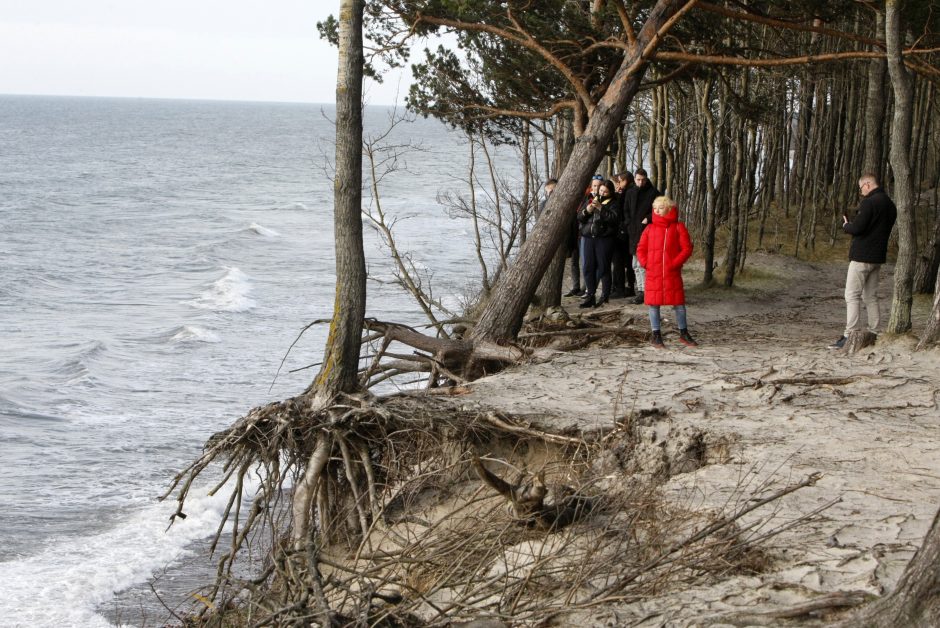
263	231
193	333
68	580
229	293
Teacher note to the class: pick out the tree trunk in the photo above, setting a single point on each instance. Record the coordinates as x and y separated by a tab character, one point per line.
526	177
653	137
341	355
875	110
928	262
548	293
900	320
564	143
734	197
711	205
932	330
502	316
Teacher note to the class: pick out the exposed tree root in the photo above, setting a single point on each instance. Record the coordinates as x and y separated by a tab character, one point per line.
457	359
387	524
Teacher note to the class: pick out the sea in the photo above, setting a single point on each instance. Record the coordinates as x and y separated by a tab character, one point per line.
158	261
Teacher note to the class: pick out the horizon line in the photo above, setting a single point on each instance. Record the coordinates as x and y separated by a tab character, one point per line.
188	99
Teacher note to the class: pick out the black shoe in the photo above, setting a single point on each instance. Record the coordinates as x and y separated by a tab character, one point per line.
639	298
838	344
575	292
657	340
603	300
629	292
686	338
588	301
617	294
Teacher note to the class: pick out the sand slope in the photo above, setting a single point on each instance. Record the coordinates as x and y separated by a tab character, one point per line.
775	406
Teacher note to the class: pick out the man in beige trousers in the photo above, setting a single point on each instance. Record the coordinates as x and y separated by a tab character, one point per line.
870	229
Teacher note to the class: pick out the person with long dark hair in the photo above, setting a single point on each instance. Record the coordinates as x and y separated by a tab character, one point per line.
599	222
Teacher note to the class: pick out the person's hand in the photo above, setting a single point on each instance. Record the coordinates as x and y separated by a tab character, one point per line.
644	222
845	220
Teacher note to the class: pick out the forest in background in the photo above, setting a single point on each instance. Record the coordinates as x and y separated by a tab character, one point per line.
754	116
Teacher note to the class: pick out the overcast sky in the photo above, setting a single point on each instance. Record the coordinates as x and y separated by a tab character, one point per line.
204	49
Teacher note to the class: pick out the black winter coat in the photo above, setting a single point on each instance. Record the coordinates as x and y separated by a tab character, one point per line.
871	228
637	207
601	223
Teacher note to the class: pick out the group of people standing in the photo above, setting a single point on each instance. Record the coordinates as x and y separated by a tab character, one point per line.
627	238
602	244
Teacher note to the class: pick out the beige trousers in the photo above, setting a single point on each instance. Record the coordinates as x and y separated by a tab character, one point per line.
861	285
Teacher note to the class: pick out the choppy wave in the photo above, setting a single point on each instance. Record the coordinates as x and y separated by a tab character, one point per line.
229	293
64	583
263	231
75	368
192	333
12	412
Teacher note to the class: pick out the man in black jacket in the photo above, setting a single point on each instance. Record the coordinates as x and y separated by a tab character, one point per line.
638	212
621	272
870	230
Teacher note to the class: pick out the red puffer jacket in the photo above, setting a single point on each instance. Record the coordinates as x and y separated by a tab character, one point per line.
663	249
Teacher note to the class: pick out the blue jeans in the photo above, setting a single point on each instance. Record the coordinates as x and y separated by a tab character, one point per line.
655	320
640	274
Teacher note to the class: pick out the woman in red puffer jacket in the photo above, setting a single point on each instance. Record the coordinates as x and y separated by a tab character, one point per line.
663	248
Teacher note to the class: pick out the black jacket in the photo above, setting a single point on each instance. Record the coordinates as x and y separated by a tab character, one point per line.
601	223
871	228
637	207
621	198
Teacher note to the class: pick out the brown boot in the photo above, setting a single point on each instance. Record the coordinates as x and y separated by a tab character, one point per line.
686	338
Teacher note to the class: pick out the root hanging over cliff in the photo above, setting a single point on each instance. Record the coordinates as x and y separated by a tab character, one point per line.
411	510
